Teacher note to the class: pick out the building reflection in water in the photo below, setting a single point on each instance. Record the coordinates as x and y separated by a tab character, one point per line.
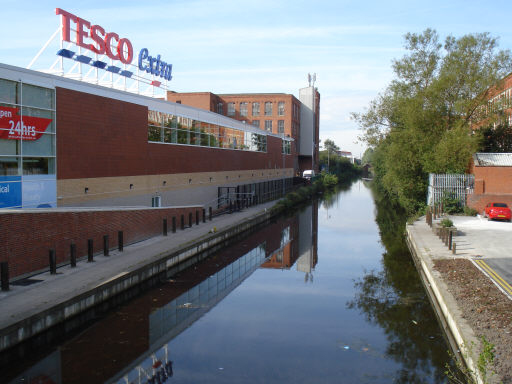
131	344
298	243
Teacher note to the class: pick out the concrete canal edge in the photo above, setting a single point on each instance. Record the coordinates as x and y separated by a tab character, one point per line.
462	339
186	254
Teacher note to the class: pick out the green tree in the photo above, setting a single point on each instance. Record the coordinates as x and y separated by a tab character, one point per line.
330	145
421	123
497	139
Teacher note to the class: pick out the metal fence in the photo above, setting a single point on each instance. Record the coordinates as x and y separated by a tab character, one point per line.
456	186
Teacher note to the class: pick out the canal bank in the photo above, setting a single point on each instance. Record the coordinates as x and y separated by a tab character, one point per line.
428	251
45	300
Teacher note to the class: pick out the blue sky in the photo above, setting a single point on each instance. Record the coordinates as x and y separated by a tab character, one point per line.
227	46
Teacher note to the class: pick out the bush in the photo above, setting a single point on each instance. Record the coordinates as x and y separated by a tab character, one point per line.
446	223
452	205
470	211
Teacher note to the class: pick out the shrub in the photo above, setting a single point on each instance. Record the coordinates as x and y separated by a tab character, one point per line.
451	204
470	211
446	223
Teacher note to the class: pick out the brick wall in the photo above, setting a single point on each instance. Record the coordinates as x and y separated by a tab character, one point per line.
102	137
492	184
495	179
28	236
479	202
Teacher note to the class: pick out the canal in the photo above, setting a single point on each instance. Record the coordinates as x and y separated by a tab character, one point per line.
328	295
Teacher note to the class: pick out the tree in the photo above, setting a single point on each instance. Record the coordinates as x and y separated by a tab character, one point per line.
330	146
421	122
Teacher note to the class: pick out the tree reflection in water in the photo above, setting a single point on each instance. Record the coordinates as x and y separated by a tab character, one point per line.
395	300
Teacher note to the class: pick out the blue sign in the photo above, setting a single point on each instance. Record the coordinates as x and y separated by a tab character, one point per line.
10	191
39	191
154	65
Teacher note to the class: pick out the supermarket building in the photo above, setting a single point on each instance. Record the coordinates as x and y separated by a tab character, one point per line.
65	142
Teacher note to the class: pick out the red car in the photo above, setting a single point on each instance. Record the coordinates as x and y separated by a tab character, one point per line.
498	211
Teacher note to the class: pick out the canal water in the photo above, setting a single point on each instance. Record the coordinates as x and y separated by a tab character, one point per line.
328	295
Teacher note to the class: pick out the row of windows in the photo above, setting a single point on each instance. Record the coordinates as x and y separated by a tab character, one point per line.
268	125
244	108
167	128
17	166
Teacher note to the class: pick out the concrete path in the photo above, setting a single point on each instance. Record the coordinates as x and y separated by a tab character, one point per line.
488	244
46	290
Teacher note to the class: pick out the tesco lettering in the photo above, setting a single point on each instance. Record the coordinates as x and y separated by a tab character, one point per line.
103	41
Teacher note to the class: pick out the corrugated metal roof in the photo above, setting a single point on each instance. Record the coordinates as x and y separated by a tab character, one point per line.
493	159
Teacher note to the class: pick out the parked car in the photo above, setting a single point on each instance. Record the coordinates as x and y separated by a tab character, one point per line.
499	211
308	174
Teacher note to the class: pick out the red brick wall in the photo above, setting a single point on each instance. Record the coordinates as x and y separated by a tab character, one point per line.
102	137
30	235
479	202
495	179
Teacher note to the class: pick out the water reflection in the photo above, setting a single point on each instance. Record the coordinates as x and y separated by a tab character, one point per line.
131	345
394	299
299	243
291	303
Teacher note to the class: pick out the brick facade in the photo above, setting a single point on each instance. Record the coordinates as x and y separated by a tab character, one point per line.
30	235
112	141
492	184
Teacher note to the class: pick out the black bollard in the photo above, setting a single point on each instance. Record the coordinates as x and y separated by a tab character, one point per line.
190	219
53	262
120	241
105	245
204	215
164	230
197	217
182	222
4	275
90	251
174	224
72	255
210	213
450	240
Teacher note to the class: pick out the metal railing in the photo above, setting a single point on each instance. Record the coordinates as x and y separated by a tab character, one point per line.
454	186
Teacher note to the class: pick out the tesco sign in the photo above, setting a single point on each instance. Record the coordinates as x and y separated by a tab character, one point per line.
96	39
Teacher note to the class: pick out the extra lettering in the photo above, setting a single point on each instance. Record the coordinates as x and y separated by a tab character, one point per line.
154	65
4	189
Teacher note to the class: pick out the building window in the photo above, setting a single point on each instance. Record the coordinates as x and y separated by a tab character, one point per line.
256	123
171	129
243	109
231	109
178	101
268	125
280	126
280	108
27	150
255	109
296	112
220	108
268	108
286	148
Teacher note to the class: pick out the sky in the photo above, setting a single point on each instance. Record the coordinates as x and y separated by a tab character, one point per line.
265	46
